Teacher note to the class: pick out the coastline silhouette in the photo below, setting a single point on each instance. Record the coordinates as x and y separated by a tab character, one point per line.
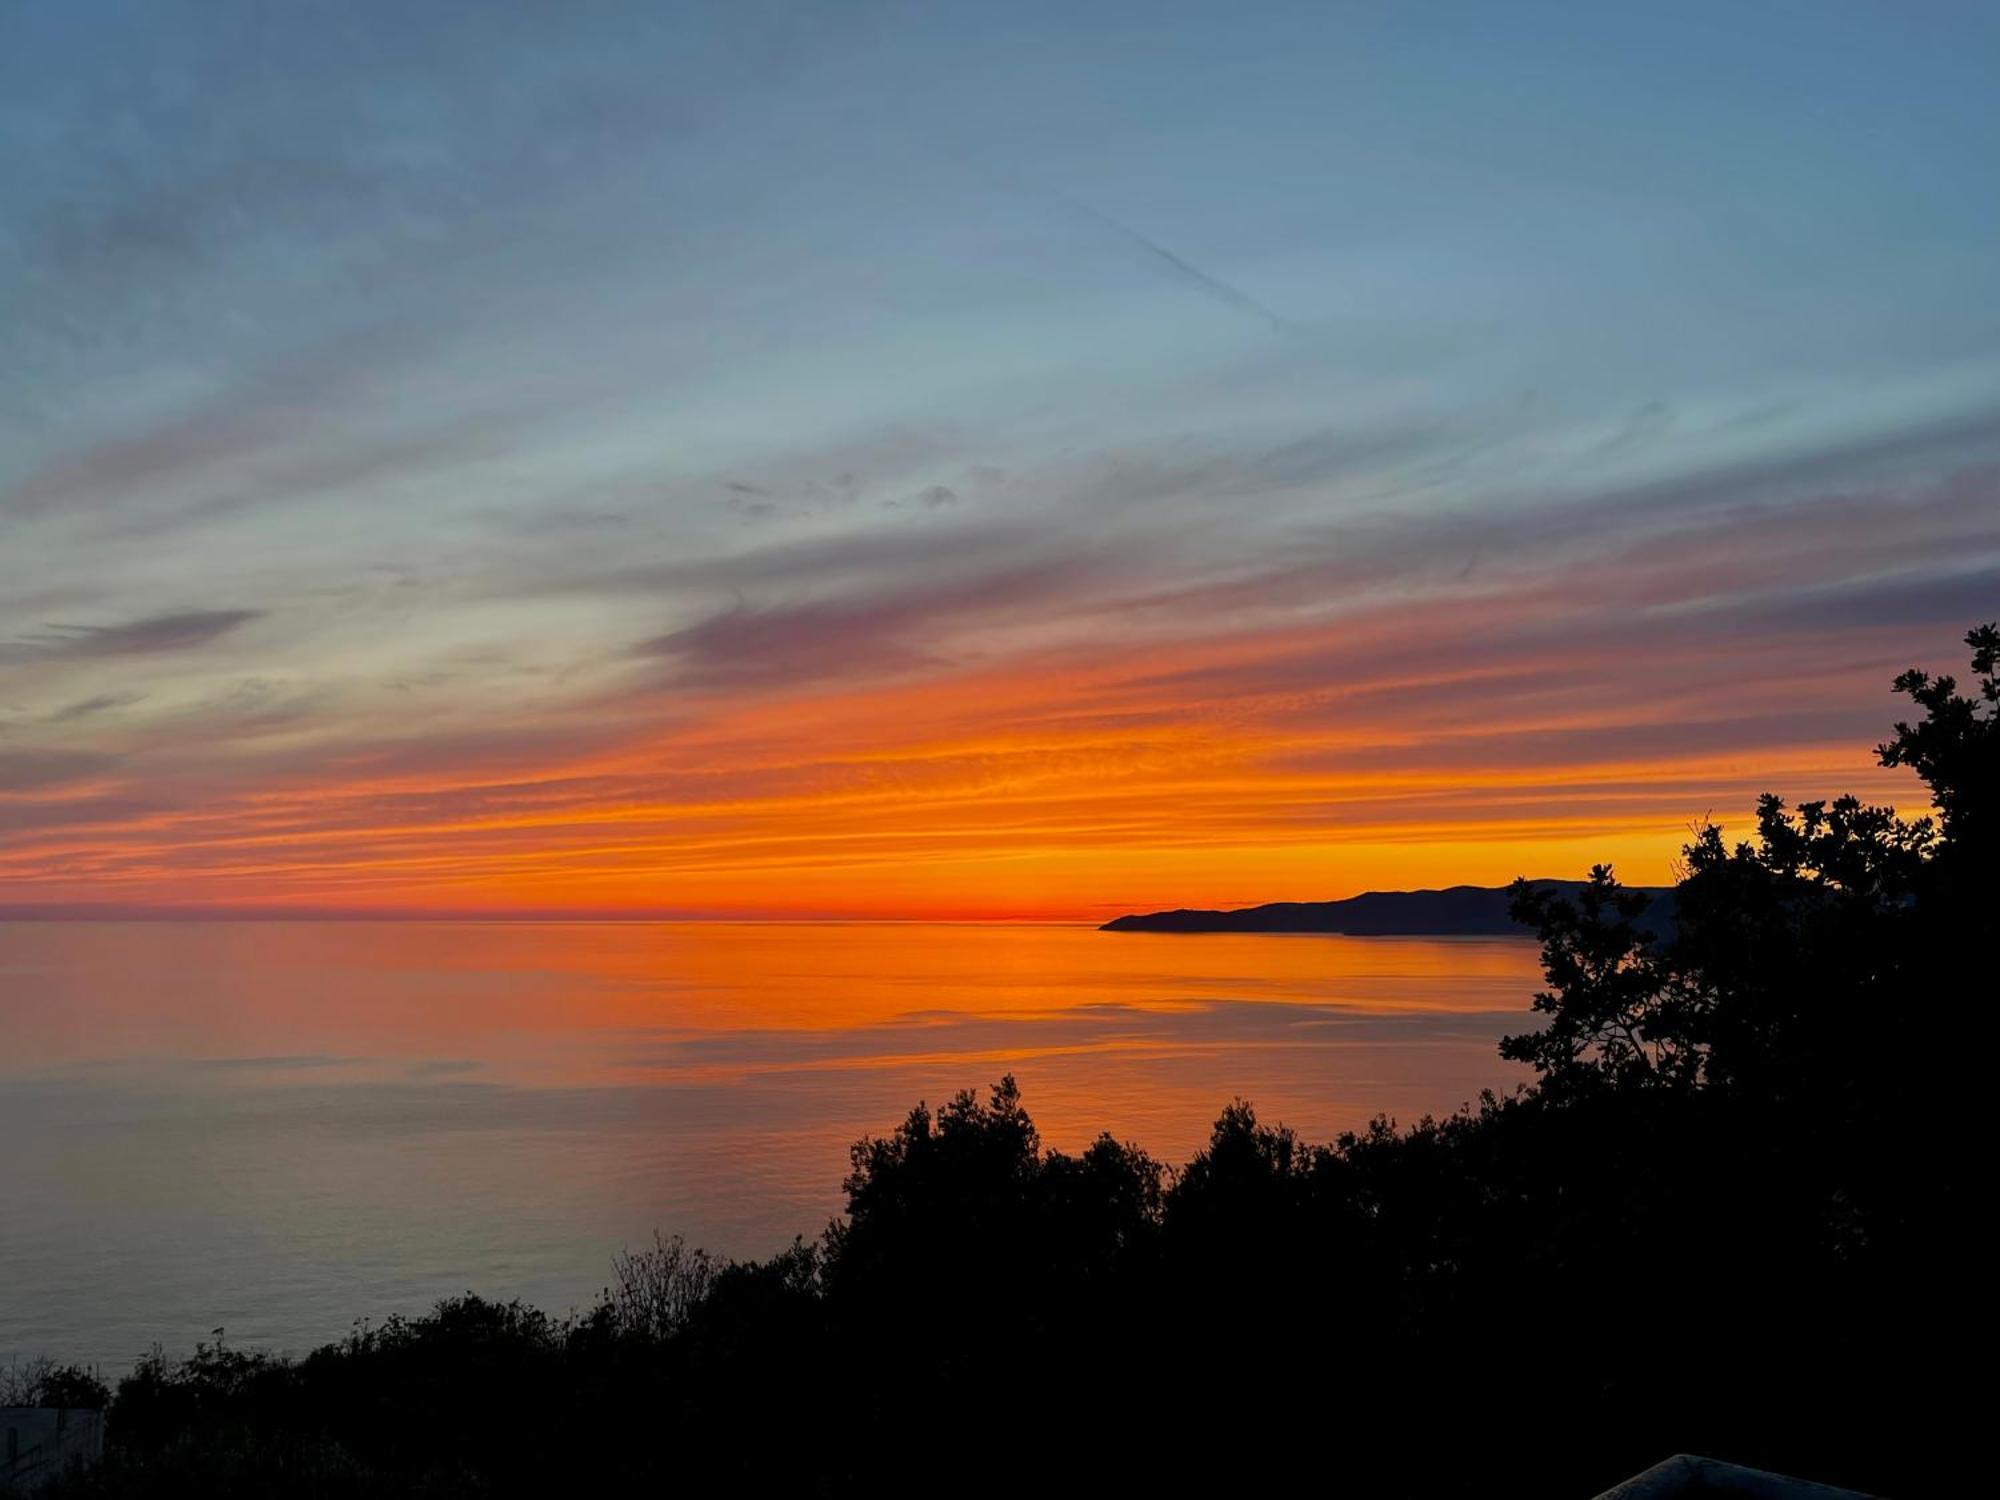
1455	911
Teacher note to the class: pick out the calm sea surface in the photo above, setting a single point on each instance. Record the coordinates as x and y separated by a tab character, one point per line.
278	1128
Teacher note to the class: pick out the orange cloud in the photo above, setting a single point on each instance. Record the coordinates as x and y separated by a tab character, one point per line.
1396	746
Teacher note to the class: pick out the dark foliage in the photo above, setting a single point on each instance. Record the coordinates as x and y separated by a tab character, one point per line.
43	1382
1733	1216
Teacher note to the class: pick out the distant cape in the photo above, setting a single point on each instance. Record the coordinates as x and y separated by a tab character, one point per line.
1456	911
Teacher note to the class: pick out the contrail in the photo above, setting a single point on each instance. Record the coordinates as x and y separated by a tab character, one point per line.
1221	291
1209	286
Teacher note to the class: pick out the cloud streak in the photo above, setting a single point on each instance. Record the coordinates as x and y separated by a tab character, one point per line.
889	632
185	630
1061	737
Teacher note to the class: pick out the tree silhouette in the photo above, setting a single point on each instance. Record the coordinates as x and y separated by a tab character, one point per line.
1953	747
1792	957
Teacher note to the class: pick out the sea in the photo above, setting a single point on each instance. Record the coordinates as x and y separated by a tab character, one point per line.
266	1132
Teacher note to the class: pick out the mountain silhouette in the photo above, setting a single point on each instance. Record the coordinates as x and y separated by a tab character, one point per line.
1456	911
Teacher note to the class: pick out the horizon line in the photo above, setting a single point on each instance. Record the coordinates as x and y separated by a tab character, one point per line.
82	911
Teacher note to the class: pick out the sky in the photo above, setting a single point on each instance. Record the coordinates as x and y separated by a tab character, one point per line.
970	460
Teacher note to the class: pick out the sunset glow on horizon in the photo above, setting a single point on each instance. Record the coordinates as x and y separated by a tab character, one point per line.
1047	788
915	465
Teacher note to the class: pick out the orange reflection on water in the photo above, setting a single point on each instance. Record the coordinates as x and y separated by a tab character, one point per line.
1142	1034
404	990
288	1125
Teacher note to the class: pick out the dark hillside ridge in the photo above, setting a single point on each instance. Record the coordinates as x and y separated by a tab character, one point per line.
1456	911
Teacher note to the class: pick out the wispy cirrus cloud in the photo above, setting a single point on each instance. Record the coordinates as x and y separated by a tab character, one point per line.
30	771
184	630
1595	689
102	703
892	630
